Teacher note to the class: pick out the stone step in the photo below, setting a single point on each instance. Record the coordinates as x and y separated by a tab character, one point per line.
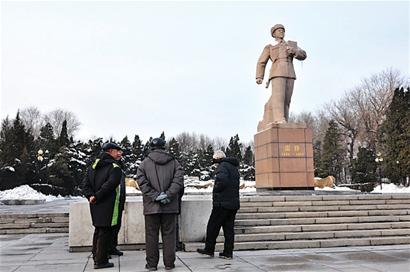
320	227
34	230
282	236
261	198
327	220
34	223
324	202
32	215
279	215
368	241
321	208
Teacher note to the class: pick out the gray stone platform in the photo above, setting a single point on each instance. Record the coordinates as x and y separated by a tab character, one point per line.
49	252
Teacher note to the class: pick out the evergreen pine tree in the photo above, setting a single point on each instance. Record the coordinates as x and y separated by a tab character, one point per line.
92	149
61	179
147	147
395	137
317	150
128	158
63	139
6	139
208	154
247	168
137	148
162	136
234	148
17	152
248	157
332	154
364	169
46	140
173	148
126	146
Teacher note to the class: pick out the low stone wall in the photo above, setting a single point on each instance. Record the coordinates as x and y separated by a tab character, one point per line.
194	216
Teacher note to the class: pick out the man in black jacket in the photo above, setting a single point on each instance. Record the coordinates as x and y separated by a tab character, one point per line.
106	197
225	202
161	179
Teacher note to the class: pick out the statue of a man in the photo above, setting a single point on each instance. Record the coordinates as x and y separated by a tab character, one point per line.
281	76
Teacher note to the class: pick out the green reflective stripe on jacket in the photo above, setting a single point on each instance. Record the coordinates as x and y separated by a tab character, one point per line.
116	211
95	163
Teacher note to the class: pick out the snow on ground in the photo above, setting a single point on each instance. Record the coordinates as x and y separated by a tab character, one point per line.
391	188
192	185
25	192
336	188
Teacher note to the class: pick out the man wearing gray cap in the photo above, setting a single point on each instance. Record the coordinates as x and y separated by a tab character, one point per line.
282	75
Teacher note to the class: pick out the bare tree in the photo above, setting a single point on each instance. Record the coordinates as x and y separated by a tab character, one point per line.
187	141
32	119
371	100
220	143
318	122
348	120
56	119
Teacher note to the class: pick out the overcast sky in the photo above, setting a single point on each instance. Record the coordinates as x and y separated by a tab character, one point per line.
128	68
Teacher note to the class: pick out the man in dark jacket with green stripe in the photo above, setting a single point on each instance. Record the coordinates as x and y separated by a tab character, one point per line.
161	180
102	189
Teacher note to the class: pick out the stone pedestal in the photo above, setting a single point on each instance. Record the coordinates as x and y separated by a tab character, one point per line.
284	157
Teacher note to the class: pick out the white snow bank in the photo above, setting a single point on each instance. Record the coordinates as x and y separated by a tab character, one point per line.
336	188
10	168
194	185
25	192
391	188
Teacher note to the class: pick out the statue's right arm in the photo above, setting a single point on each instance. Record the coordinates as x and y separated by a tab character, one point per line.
262	61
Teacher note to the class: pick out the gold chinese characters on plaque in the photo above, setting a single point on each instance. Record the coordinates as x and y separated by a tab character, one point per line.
292	150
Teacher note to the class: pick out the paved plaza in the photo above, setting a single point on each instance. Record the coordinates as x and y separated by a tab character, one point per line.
49	252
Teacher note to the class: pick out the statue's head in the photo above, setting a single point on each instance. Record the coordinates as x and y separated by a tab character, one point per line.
277	31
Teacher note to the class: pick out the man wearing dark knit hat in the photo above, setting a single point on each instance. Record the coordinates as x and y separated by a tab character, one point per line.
161	179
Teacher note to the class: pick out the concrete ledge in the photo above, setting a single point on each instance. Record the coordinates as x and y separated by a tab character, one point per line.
192	223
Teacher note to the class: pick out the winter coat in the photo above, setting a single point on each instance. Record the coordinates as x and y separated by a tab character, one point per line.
106	181
160	172
226	188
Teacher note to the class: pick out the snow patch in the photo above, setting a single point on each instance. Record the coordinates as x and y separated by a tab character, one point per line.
25	192
391	188
10	168
336	188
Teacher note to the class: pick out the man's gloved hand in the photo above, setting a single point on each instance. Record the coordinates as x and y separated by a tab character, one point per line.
165	201
161	196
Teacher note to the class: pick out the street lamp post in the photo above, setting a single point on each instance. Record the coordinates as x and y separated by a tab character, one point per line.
40	159
379	160
401	178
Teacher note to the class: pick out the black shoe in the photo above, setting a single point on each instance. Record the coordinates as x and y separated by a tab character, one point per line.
170	267
225	256
104	265
150	268
116	252
205	252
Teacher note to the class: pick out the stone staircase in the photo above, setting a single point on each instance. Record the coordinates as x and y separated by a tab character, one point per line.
313	221
33	223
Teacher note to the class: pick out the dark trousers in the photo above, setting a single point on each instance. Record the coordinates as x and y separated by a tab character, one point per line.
167	224
115	231
101	243
224	218
178	242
